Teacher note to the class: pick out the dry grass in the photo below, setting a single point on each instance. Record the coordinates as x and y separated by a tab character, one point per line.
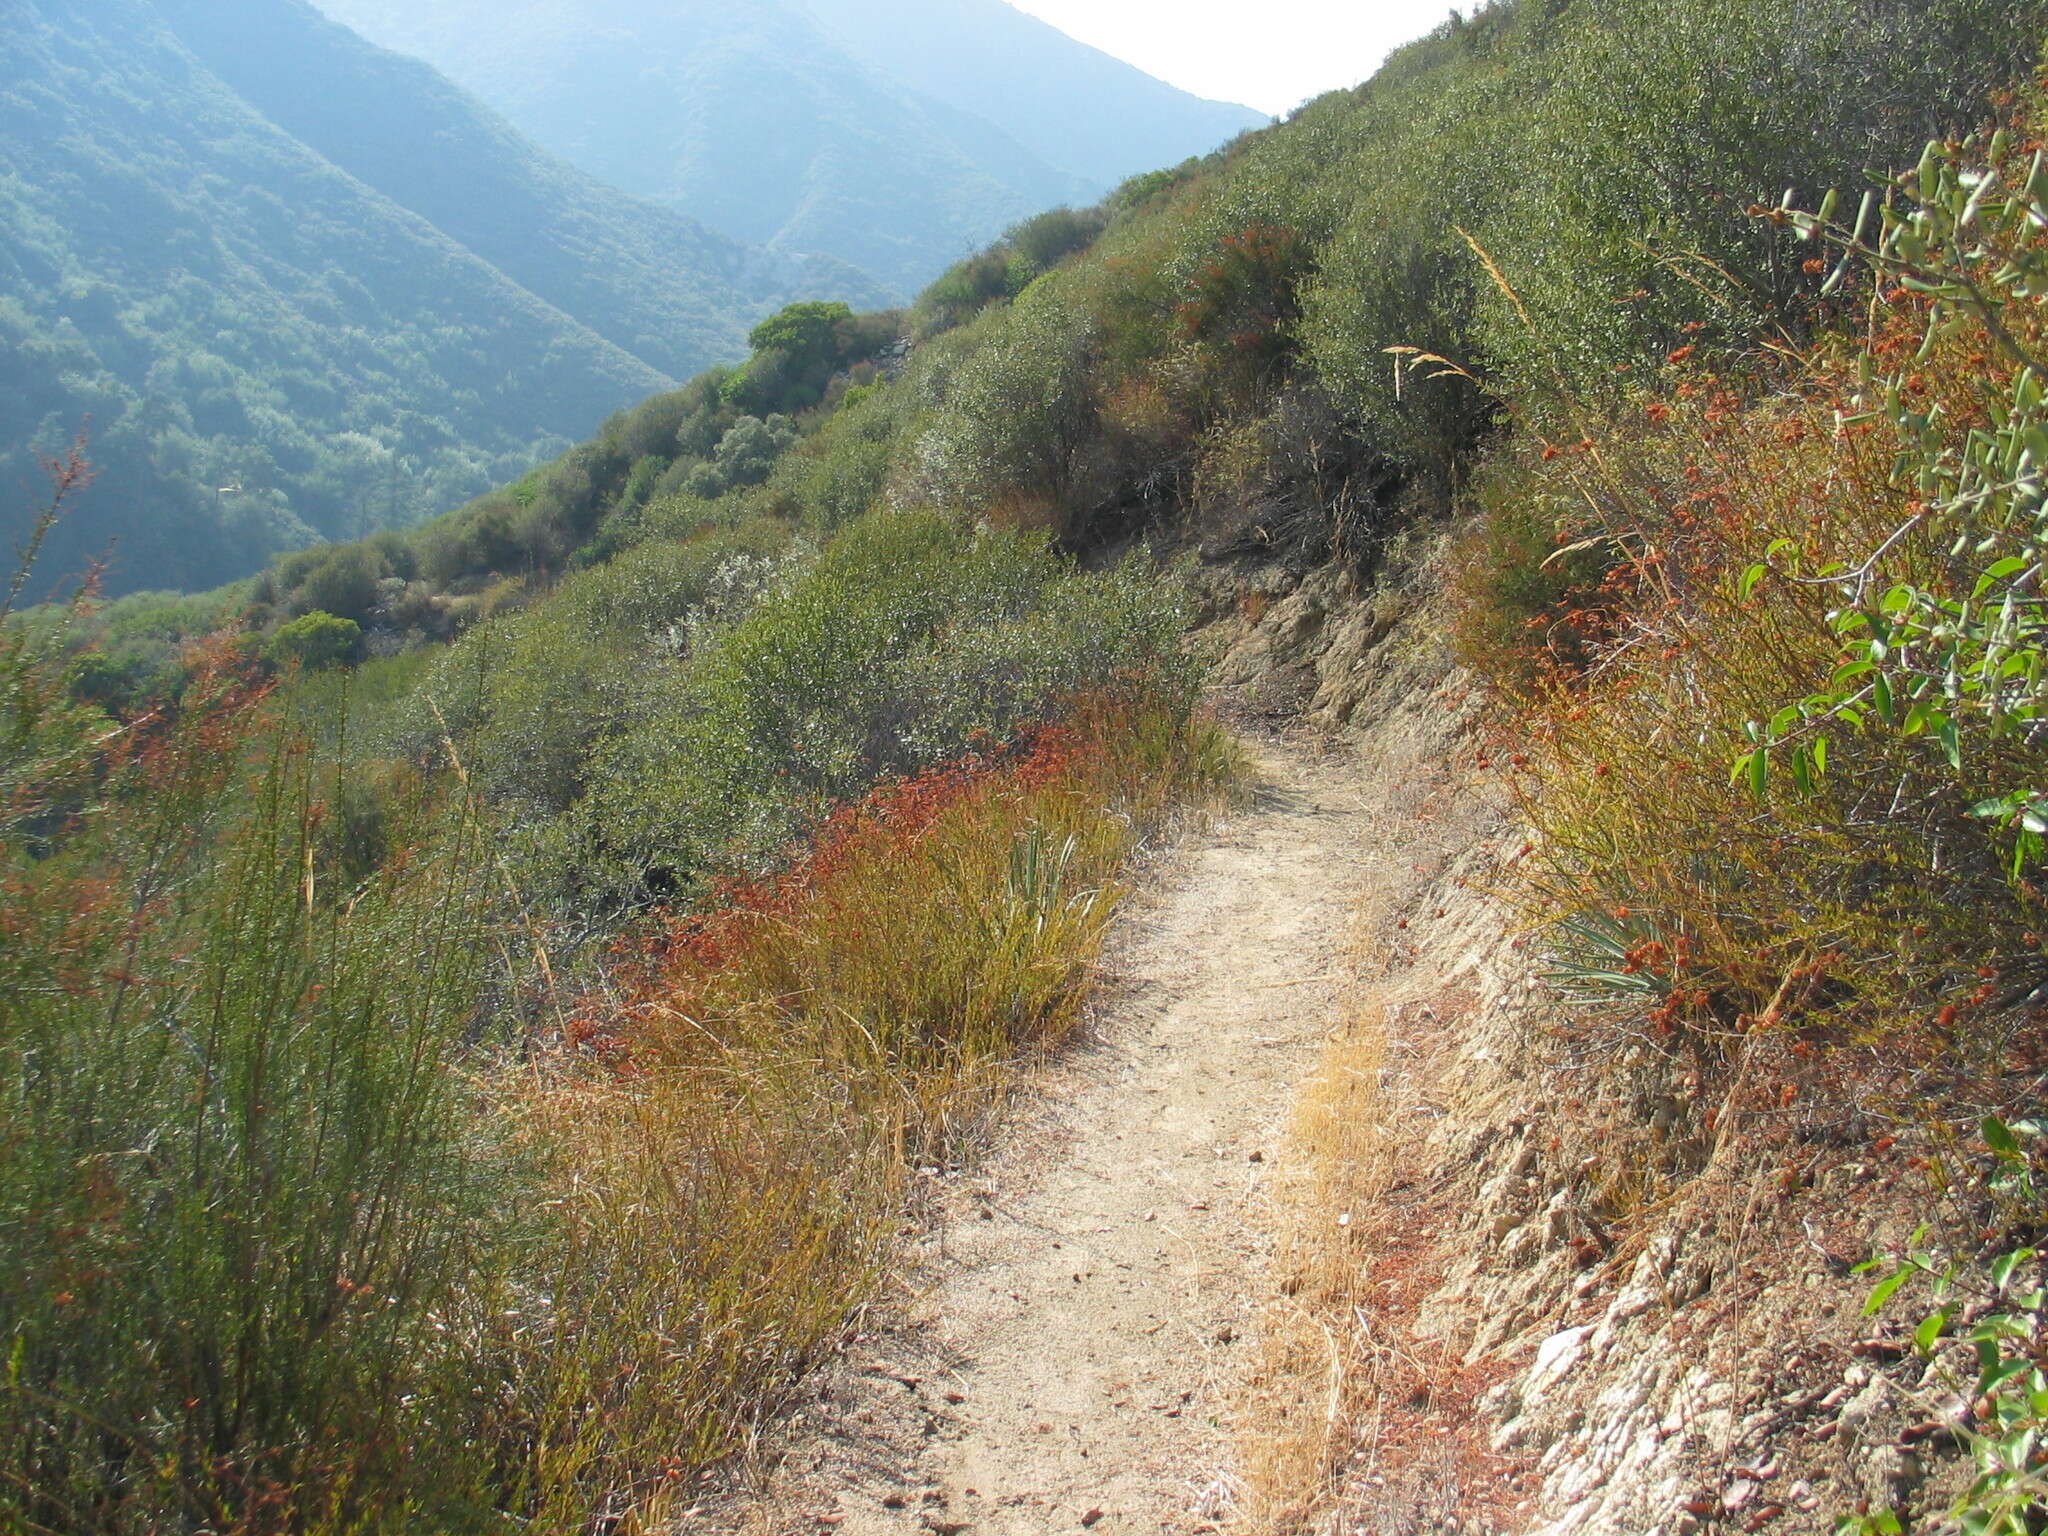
710	1239
1324	1370
1363	1425
1317	1369
1022	511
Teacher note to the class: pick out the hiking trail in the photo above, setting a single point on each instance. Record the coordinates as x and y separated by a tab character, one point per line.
1082	1320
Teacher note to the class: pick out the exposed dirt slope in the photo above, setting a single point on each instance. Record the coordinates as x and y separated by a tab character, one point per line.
1575	1299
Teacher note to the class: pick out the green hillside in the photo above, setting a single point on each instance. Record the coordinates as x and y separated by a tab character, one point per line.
303	288
1209	349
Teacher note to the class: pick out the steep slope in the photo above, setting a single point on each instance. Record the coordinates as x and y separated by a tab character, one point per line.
342	300
766	125
1637	1056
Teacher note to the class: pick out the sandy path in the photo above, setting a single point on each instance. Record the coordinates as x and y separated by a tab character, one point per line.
1084	1320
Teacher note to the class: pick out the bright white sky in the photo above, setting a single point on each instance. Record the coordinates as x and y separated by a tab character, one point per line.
1269	54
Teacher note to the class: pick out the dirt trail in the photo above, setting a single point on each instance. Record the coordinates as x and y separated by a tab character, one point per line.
1084	1318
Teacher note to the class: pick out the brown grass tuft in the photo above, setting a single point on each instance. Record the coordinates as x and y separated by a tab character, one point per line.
1317	1369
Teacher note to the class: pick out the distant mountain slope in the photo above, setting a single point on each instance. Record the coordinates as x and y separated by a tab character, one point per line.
1075	107
811	128
396	125
304	288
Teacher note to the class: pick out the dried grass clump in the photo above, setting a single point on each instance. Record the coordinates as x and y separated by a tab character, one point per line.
707	1241
1319	1374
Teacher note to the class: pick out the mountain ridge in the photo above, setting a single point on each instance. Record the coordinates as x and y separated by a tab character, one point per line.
942	48
267	50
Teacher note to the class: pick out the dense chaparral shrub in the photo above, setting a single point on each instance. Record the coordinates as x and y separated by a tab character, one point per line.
907	639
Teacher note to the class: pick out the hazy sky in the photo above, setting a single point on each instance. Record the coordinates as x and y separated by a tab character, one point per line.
1269	54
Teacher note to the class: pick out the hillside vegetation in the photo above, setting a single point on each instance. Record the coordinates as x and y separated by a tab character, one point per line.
286	322
747	789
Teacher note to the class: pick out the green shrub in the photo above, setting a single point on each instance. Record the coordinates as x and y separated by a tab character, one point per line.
909	639
1020	413
1043	241
962	292
841	471
317	640
248	1222
1982	1344
1026	252
115	683
529	697
1661	123
1956	657
344	584
744	457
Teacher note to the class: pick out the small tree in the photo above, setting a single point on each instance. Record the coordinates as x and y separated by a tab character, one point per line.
796	352
344	583
317	640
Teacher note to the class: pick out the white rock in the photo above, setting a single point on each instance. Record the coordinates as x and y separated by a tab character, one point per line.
1555	1357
